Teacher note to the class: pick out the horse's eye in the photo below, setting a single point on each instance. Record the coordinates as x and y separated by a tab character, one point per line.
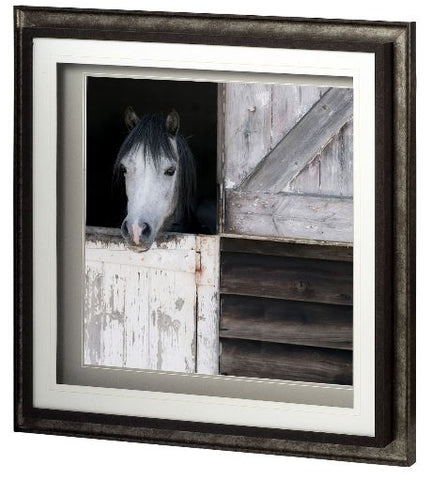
123	169
170	171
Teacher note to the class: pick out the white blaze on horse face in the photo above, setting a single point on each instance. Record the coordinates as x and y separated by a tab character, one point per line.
137	231
151	195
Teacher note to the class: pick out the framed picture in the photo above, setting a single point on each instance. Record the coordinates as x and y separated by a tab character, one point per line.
214	231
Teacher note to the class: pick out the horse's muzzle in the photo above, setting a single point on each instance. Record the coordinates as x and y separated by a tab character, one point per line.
137	235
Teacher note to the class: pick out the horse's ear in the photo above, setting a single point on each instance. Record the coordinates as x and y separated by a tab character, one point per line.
130	118
173	123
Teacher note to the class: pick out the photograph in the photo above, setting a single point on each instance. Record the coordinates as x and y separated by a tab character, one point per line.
219	228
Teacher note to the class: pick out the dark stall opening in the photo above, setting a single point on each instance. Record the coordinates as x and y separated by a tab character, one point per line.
107	100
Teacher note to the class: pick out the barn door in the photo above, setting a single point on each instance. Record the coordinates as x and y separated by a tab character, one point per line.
287	173
156	310
287	159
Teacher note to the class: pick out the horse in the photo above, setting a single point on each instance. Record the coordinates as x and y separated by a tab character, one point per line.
160	178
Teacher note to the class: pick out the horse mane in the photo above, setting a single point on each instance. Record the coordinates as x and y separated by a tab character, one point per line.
151	133
188	178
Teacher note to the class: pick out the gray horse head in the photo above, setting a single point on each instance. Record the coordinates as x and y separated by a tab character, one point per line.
159	172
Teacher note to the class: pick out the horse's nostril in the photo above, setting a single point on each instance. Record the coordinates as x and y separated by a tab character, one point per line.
145	229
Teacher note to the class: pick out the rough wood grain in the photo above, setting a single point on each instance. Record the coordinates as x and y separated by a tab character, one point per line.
331	171
289	216
255	119
302	143
287	278
279	321
289	104
247	129
287	249
288	362
336	163
305	135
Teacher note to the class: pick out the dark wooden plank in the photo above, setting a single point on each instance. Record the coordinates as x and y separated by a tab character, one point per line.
281	321
245	358
302	142
286	249
287	278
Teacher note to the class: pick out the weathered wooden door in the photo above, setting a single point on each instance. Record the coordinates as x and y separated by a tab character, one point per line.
156	310
287	173
287	159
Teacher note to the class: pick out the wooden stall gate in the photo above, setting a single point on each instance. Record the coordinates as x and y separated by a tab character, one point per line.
156	310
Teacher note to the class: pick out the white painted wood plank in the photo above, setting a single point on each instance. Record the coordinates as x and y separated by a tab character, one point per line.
208	250
137	315
207	279
175	260
137	310
112	240
113	319
93	308
172	332
208	344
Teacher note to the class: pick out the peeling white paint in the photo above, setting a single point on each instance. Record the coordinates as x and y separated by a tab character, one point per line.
141	310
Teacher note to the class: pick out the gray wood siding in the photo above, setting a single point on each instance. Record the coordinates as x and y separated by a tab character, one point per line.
283	139
330	173
289	216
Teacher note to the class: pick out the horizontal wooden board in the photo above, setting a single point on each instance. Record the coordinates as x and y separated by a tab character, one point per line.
174	260
286	249
281	321
248	358
111	239
287	278
289	216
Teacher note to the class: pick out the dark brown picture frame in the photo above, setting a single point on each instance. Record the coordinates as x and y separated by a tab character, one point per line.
394	47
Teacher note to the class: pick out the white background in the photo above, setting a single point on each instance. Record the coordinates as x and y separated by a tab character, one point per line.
39	456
